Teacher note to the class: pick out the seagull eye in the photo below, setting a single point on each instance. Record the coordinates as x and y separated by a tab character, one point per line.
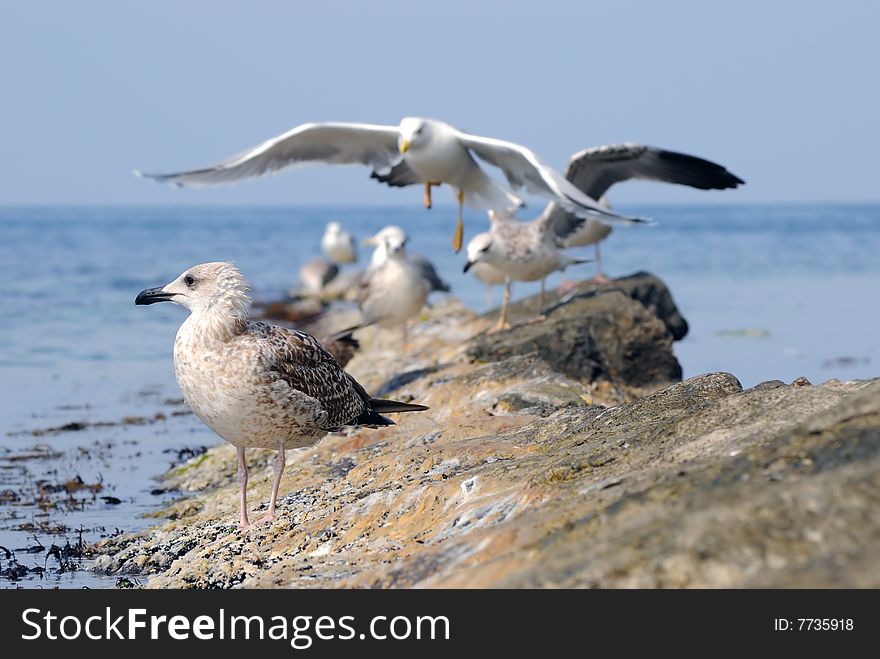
189	280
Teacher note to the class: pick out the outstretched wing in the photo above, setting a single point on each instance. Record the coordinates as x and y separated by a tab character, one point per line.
595	170
327	143
523	169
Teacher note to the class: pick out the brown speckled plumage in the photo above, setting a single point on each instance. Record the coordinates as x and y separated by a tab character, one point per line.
256	384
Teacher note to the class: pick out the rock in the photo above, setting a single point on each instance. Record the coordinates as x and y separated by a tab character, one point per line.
599	335
641	286
528	471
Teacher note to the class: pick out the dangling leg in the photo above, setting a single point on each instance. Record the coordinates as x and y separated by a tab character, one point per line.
502	323
488	297
278	468
243	522
428	194
458	236
600	278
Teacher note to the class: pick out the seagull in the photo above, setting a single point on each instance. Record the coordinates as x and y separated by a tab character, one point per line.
314	275
596	169
521	251
256	384
488	274
417	151
393	235
338	245
394	292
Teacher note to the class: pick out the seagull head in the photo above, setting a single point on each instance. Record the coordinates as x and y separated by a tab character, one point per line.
477	249
333	228
414	133
218	287
390	240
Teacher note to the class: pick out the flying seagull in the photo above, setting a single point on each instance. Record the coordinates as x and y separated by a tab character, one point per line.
417	151
596	169
255	384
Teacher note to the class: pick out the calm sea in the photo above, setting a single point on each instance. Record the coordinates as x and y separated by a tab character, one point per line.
769	292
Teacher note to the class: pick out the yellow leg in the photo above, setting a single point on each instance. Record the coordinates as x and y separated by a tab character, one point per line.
458	236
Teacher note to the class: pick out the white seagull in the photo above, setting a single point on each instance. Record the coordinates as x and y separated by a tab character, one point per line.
596	169
255	384
393	293
338	245
394	235
418	150
488	274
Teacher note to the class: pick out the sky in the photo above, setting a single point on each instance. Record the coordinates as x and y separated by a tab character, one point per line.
784	94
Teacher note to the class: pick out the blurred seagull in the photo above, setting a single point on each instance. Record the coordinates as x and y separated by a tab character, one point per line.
314	275
394	292
392	235
417	151
255	384
338	245
595	170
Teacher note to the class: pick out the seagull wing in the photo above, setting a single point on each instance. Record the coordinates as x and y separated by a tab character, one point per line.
596	169
327	143
297	362
523	168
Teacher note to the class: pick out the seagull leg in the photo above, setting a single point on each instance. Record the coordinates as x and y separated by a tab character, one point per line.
599	278
243	522
278	468
405	335
502	323
458	236
428	194
488	298
539	317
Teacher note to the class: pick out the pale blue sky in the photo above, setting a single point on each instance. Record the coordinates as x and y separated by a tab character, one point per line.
785	94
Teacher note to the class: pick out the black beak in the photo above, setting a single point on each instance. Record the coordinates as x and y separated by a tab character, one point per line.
152	295
467	266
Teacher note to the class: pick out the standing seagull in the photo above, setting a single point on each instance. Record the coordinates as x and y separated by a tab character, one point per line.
255	384
522	251
418	150
394	292
395	235
338	245
596	169
488	274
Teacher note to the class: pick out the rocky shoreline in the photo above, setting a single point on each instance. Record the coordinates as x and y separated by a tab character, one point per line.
564	453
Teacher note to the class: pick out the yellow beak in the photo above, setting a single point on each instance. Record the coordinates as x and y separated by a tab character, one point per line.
369	242
404	146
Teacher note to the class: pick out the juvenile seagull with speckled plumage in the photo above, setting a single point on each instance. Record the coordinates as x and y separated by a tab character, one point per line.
256	384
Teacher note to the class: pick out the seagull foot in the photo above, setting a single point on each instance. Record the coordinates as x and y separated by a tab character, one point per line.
600	280
268	518
567	286
540	318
